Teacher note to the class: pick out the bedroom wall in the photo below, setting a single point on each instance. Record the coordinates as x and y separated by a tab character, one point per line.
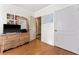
12	9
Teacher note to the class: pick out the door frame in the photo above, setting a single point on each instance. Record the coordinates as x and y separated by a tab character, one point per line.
37	18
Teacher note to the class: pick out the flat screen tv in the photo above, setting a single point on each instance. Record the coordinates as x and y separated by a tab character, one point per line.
10	28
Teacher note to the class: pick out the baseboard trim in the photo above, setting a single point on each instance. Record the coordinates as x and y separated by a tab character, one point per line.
66	50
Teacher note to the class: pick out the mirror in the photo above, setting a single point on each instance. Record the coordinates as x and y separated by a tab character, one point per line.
22	21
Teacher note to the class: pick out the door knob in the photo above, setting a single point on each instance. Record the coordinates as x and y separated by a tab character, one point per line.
55	30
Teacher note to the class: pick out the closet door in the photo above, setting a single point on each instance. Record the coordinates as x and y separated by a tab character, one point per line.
66	29
47	29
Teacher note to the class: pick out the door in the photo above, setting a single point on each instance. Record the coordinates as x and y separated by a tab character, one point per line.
32	28
38	27
67	29
47	29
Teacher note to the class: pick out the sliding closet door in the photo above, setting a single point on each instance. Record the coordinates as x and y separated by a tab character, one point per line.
66	29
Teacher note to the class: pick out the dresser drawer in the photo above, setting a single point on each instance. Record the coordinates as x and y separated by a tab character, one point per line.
11	36
24	37
23	34
10	41
2	38
11	44
7	46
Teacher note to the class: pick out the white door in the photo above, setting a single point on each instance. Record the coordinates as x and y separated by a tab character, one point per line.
67	29
32	27
47	29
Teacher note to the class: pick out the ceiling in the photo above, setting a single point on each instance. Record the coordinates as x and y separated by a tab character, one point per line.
32	7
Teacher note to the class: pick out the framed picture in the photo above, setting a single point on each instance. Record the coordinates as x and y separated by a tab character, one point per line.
10	18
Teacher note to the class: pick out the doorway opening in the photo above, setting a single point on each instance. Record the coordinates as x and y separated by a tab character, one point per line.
38	27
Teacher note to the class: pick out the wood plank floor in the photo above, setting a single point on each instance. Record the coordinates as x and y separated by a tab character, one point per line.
36	47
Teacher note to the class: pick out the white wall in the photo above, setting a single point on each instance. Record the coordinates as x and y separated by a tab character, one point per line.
67	26
1	20
32	27
12	9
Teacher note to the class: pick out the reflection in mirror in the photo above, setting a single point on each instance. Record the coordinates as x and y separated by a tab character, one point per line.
23	22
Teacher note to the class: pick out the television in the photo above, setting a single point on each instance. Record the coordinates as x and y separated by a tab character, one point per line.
10	28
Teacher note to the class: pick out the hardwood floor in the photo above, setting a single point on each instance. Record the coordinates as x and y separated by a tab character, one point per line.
36	47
